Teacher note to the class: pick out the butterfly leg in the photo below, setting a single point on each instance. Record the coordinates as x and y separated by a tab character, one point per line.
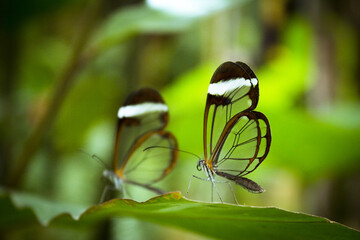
193	176
212	189
232	191
124	193
105	191
213	185
103	195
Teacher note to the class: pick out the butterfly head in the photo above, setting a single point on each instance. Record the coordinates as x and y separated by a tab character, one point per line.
200	165
114	179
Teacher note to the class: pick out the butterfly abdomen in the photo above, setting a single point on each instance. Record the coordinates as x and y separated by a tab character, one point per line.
246	183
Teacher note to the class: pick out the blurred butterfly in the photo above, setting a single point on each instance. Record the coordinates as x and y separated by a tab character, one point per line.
141	123
236	138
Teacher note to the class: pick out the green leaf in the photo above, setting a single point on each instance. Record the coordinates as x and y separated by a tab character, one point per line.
221	221
23	208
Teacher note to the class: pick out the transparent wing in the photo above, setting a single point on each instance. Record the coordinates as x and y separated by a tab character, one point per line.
142	112
243	145
149	166
265	142
233	89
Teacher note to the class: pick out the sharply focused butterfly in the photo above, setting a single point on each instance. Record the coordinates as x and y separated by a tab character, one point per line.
236	138
141	123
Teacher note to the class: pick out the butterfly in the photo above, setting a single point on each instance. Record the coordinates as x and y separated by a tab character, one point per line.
141	123
236	138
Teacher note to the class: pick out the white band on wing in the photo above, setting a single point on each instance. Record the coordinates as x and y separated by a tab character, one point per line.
222	87
140	109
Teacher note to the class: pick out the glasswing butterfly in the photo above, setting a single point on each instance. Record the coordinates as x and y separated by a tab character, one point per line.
141	123
236	138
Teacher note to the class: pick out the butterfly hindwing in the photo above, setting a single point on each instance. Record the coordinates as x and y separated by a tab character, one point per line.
146	165
244	144
265	143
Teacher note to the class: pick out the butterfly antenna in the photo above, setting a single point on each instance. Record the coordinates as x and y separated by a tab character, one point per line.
173	149
98	159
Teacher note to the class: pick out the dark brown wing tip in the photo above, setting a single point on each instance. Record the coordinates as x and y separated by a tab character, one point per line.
226	70
229	70
143	95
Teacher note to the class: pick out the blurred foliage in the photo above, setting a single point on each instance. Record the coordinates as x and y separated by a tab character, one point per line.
132	21
306	57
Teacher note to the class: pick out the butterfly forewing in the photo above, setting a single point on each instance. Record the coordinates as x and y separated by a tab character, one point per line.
149	166
233	89
142	112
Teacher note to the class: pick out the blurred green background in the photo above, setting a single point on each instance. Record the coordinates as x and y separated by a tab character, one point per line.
66	67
